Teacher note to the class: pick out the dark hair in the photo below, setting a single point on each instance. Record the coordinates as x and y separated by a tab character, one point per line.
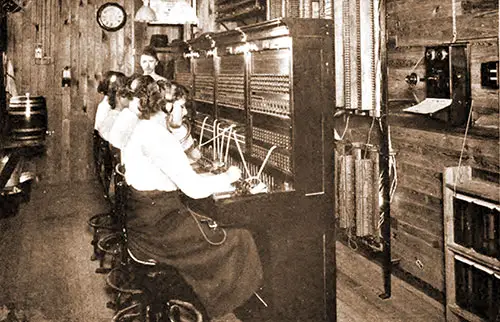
111	83
126	90
183	92
150	51
150	98
176	90
165	87
180	91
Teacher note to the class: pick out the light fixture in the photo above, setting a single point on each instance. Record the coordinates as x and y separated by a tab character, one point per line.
145	13
182	13
174	12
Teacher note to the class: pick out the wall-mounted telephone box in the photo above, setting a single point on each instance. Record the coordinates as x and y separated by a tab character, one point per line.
447	78
447	75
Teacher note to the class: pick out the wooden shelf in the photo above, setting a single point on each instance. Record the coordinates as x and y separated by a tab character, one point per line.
233	11
464	314
165	50
471	254
416	121
244	14
488	191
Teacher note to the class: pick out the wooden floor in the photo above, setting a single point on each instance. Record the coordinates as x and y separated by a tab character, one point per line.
359	282
46	274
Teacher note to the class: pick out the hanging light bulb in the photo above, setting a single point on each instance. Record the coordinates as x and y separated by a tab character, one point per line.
145	13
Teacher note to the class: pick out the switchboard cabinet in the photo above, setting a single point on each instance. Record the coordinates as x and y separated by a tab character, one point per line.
264	99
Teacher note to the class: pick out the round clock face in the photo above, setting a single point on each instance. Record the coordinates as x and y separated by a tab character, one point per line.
111	16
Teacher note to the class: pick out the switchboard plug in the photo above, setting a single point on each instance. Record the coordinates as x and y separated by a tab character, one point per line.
212	224
218	166
259	188
255	185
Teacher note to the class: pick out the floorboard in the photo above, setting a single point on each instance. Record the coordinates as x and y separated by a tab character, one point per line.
360	281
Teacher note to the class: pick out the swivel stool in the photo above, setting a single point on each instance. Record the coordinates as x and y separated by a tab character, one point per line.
145	290
109	222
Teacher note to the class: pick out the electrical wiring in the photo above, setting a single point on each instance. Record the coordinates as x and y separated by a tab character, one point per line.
393	175
242	156
255	184
217	136
463	149
266	159
214	147
368	139
345	128
202	129
228	143
454	20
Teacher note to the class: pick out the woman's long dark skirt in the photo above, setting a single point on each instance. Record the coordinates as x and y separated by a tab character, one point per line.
223	276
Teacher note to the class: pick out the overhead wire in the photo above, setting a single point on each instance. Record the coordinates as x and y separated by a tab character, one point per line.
462	150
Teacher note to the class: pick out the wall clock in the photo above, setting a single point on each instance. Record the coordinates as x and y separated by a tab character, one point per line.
111	16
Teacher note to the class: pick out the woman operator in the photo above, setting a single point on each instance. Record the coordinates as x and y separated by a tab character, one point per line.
109	87
126	121
176	98
107	111
223	267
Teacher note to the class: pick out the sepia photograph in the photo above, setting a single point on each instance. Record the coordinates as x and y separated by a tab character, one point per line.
249	161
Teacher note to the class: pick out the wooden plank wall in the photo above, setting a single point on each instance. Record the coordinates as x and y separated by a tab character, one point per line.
413	24
70	36
422	154
417	206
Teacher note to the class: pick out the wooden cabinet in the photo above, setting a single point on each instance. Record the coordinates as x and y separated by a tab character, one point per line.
472	246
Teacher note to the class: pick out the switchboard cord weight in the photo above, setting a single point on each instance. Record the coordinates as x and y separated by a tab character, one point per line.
199	217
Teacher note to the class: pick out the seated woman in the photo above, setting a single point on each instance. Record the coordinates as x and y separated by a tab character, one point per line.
108	86
126	120
222	266
106	110
176	97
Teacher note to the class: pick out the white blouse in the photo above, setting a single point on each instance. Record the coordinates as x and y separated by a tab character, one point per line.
122	128
102	111
155	160
107	124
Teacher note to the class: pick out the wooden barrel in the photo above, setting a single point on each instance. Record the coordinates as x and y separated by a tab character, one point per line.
27	119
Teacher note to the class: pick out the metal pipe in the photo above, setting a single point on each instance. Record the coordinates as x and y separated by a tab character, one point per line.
384	160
